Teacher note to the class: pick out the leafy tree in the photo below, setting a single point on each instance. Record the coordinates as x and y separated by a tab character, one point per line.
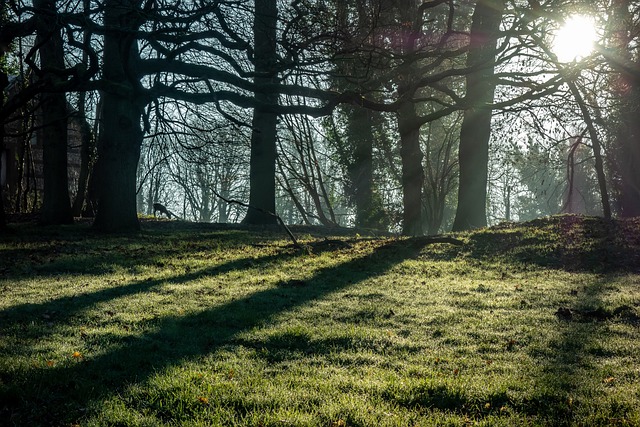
356	67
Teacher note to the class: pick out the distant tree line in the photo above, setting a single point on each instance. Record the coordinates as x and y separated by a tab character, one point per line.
412	115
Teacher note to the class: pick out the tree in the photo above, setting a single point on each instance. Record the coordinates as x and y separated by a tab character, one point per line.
3	219
50	74
121	133
262	194
87	136
354	70
476	124
441	169
56	206
595	142
375	58
4	81
196	57
626	86
408	124
303	173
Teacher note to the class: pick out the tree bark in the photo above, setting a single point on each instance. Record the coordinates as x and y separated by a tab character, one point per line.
627	87
118	155
360	136
412	170
262	163
440	174
4	80
87	153
121	135
629	145
357	154
409	129
597	148
3	218
476	125
87	148
56	205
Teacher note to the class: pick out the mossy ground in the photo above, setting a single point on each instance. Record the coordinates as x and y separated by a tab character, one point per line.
209	325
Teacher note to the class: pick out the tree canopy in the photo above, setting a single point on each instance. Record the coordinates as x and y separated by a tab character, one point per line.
408	115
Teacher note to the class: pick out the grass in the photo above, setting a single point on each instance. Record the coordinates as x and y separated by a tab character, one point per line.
195	325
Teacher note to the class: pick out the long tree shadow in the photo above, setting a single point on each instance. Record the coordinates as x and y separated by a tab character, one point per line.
566	242
63	309
567	365
75	251
58	394
572	243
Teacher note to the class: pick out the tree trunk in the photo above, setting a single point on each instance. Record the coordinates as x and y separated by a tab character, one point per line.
223	207
412	170
629	144
118	155
440	173
597	148
140	176
87	147
206	208
91	199
357	155
409	129
87	154
360	135
121	135
3	219
262	163
4	80
627	87
56	205
476	125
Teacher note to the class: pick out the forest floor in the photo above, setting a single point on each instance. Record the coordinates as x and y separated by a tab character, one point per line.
209	325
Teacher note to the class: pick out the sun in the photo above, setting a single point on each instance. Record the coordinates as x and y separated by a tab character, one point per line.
575	39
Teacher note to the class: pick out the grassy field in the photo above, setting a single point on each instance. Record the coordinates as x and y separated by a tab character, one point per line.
202	325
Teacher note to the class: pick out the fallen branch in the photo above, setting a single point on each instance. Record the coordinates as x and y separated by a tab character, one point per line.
276	216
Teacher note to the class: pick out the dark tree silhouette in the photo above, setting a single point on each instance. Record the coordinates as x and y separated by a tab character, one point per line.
262	193
56	205
121	132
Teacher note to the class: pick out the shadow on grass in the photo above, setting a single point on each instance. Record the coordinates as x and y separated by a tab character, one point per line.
572	373
560	379
63	309
567	376
60	394
566	242
76	250
57	395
